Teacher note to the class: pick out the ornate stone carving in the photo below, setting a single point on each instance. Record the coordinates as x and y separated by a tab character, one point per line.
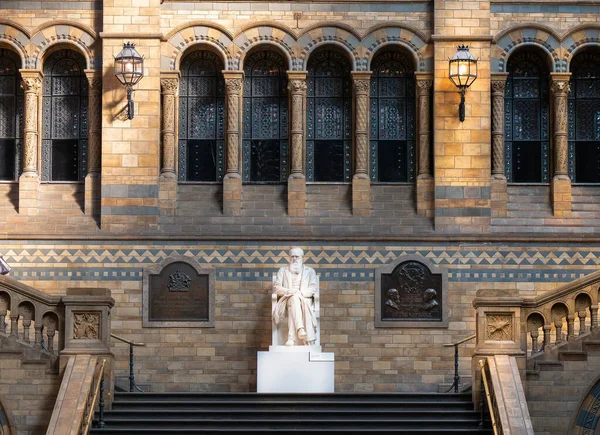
233	87
86	325
362	88
179	282
499	327
498	127
424	92
297	86
32	86
169	88
95	113
560	90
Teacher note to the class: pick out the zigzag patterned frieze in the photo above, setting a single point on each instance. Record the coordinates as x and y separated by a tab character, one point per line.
316	257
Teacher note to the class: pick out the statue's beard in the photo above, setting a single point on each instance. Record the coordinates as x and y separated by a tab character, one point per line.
296	267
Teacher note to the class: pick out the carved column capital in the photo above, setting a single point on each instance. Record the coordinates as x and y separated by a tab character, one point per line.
32	84
560	83
233	85
424	86
169	85
297	86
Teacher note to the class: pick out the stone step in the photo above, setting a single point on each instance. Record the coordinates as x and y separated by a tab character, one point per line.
549	366
572	355
591	346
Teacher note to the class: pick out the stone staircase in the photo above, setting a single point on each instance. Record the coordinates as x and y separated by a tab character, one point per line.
242	413
557	378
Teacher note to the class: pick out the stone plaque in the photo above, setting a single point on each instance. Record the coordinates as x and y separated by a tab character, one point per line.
179	294
410	293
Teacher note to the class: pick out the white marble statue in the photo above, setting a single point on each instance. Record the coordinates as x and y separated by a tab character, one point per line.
295	287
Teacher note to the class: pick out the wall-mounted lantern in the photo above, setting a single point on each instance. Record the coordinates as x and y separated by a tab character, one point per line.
463	72
129	69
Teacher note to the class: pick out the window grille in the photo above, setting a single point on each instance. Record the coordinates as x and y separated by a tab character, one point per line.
11	115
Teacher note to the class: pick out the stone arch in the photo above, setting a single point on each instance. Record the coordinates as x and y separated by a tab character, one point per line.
580	37
263	33
509	40
200	32
330	34
16	37
412	41
585	419
64	33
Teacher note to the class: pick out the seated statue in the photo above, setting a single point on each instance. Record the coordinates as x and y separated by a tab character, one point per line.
295	296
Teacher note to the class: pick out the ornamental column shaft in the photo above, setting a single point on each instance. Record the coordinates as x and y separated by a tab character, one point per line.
232	182
361	184
297	179
499	193
425	203
168	87
92	179
32	84
561	183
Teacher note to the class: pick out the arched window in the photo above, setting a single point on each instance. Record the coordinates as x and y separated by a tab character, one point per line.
584	119
265	144
201	118
11	115
526	113
392	119
328	118
65	117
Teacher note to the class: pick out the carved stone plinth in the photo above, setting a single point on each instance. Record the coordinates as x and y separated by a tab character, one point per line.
28	194
296	196
425	196
361	196
499	197
561	196
232	195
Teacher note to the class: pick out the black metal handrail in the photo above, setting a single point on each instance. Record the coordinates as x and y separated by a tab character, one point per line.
131	344
456	375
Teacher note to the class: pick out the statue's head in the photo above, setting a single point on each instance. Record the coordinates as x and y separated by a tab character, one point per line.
429	295
393	295
296	255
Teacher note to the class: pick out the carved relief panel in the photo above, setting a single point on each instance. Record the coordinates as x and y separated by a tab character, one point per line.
179	293
411	293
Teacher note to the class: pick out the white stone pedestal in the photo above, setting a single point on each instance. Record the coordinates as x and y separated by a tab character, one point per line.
295	369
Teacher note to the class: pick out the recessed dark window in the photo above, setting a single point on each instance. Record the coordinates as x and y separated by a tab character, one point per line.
329	161
64	160
584	118
328	118
11	114
392	119
526	158
393	162
265	145
8	158
65	117
527	119
201	118
202	160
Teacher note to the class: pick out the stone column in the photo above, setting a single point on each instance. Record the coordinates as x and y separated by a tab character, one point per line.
232	182
547	329
92	179
361	183
570	327
561	183
167	182
297	179
594	317
168	88
30	179
498	188
425	196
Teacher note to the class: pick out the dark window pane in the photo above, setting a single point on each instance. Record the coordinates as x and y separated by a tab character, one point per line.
527	162
329	161
64	160
264	161
587	162
392	161
202	160
7	159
